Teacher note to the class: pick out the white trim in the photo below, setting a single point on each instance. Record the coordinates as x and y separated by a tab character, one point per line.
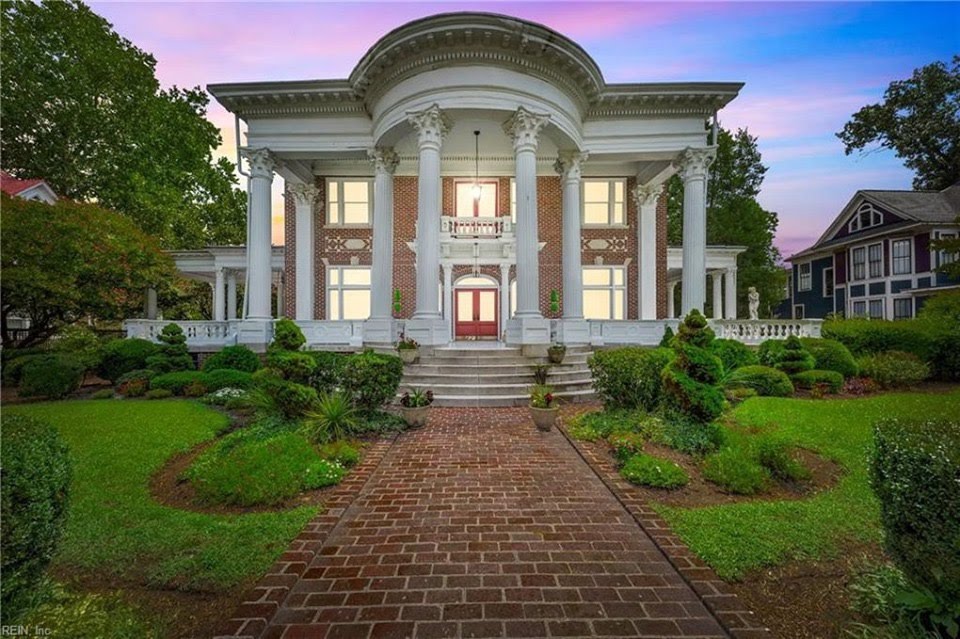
854	224
800	287
340	224
893	256
612	287
339	287
612	183
803	311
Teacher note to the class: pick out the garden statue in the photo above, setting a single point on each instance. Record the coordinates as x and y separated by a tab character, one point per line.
753	302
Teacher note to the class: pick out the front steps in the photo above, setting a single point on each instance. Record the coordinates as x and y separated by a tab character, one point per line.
465	376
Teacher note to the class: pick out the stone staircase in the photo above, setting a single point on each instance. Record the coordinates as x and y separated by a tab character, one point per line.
465	376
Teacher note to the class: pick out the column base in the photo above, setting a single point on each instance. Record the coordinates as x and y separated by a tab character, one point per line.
524	331
431	331
573	331
379	331
257	334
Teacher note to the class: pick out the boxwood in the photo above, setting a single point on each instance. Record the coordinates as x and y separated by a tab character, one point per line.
831	355
124	355
809	379
768	382
52	376
237	358
629	377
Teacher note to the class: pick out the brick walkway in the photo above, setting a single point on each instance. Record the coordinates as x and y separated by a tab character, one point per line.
470	528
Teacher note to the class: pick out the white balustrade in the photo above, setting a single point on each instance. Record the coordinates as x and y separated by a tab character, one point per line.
475	227
757	331
332	332
198	333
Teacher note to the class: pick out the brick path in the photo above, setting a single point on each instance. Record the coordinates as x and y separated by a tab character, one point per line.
470	528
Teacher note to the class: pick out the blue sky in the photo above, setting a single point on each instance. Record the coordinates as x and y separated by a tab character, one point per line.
807	67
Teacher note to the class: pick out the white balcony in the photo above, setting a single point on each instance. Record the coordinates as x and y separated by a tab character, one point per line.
475	227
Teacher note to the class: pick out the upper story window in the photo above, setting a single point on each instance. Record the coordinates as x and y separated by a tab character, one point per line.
469	205
859	260
348	292
875	259
945	257
865	217
604	202
902	251
604	292
804	278
828	285
349	201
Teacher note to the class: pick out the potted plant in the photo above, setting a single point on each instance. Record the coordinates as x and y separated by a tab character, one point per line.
556	353
408	349
543	407
415	406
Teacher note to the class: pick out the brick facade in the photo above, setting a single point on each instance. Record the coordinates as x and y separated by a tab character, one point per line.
331	244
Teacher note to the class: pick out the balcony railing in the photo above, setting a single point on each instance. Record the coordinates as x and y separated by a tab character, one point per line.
475	227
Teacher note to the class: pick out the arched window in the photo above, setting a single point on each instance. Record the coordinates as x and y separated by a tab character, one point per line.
865	217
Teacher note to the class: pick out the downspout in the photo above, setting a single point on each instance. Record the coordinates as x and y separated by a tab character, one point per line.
246	271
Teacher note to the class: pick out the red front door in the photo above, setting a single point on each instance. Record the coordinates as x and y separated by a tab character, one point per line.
476	313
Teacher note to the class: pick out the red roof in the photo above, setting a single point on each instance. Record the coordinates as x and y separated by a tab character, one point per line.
11	185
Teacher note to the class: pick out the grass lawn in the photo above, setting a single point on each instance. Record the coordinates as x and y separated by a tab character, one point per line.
736	538
115	528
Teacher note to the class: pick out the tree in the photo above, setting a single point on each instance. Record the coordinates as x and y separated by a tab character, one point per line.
950	246
83	110
919	119
67	261
734	217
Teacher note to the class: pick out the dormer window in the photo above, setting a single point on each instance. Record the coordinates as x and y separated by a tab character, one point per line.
866	216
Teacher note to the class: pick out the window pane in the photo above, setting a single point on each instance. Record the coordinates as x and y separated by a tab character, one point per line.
596	191
333	305
488	200
334	191
596	277
356	304
476	282
618	305
334	215
618	191
596	304
618	277
464	306
876	309
617	213
356	213
333	275
464	200
488	306
596	213
356	191
356	277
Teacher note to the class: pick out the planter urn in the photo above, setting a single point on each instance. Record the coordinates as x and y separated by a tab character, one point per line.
409	355
544	418
556	355
416	417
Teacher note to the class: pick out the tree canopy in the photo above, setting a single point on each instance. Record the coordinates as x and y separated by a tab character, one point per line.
919	119
734	217
67	261
82	109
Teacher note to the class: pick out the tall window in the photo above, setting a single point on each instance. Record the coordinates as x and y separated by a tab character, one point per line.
875	258
348	292
828	282
604	292
902	256
804	279
865	217
903	308
470	206
945	257
859	309
876	309
349	202
859	263
604	202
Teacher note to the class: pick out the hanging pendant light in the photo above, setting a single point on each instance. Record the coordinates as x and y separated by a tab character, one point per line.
477	191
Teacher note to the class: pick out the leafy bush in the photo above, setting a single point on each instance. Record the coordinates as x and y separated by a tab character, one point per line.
667	338
831	380
197	388
915	473
831	355
328	372
868	336
626	445
53	376
340	451
236	358
288	400
882	594
794	358
158	393
13	367
133	388
103	393
173	354
124	355
693	438
287	336
594	425
775	455
733	354
768	382
371	379
227	378
33	499
333	419
945	352
770	352
80	342
943	307
894	369
647	470
690	380
141	374
736	470
629	377
178	381
292	365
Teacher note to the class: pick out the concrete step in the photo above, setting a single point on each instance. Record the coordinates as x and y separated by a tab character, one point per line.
496	369
508	400
468	376
504	360
486	390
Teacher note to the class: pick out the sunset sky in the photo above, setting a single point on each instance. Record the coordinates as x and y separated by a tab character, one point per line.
807	67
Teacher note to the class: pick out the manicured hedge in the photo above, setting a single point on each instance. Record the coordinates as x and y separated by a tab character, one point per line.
733	354
178	382
867	336
125	355
33	498
831	355
768	382
809	379
794	358
915	472
372	379
238	358
226	378
629	377
293	365
287	336
13	367
894	369
52	376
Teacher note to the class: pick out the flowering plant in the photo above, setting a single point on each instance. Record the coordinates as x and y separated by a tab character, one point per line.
541	396
407	343
416	398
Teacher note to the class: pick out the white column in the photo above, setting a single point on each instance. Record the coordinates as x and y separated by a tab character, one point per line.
569	166
671	296
692	166
304	199
150	307
231	295
280	305
504	297
448	296
717	295
646	197
219	295
385	163
730	290
259	275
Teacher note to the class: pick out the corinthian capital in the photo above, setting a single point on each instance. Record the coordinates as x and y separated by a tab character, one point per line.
385	160
432	125
262	162
693	163
570	165
304	194
647	194
524	128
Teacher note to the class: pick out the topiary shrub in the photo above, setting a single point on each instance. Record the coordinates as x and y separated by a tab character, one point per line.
894	369
124	355
294	366
371	379
770	352
646	470
178	381
34	491
52	376
227	378
831	355
158	393
287	336
667	338
629	377
736	470
733	354
832	381
794	358
173	354
768	382
328	373
237	358
690	380
915	473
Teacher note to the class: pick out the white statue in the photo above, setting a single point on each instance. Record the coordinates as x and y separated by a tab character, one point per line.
753	300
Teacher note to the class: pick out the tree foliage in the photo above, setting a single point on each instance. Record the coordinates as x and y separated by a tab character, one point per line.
66	261
83	110
734	217
952	269
919	119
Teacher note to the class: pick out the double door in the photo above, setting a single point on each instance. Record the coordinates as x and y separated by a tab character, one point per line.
475	313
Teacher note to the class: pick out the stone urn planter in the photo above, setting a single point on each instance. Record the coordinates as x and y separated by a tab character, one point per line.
556	353
416	417
409	355
544	418
543	407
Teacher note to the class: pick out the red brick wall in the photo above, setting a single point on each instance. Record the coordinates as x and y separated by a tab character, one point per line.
662	256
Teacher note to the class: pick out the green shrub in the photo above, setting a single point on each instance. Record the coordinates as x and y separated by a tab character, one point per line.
894	369
831	380
178	381
133	388
868	336
328	373
733	354
196	388
173	354
342	452
626	445
287	336
768	382
691	437
690	380
227	378
646	470
13	368
124	355
915	473
158	393
831	355
944	307
103	393
371	379
52	376
333	419
945	352
236	358
34	492
736	470
629	377
288	400
294	366
740	394
599	424
795	358
141	374
882	594
770	352
667	338
775	455
80	342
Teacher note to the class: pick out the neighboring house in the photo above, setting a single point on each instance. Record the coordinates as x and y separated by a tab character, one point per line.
27	189
875	260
